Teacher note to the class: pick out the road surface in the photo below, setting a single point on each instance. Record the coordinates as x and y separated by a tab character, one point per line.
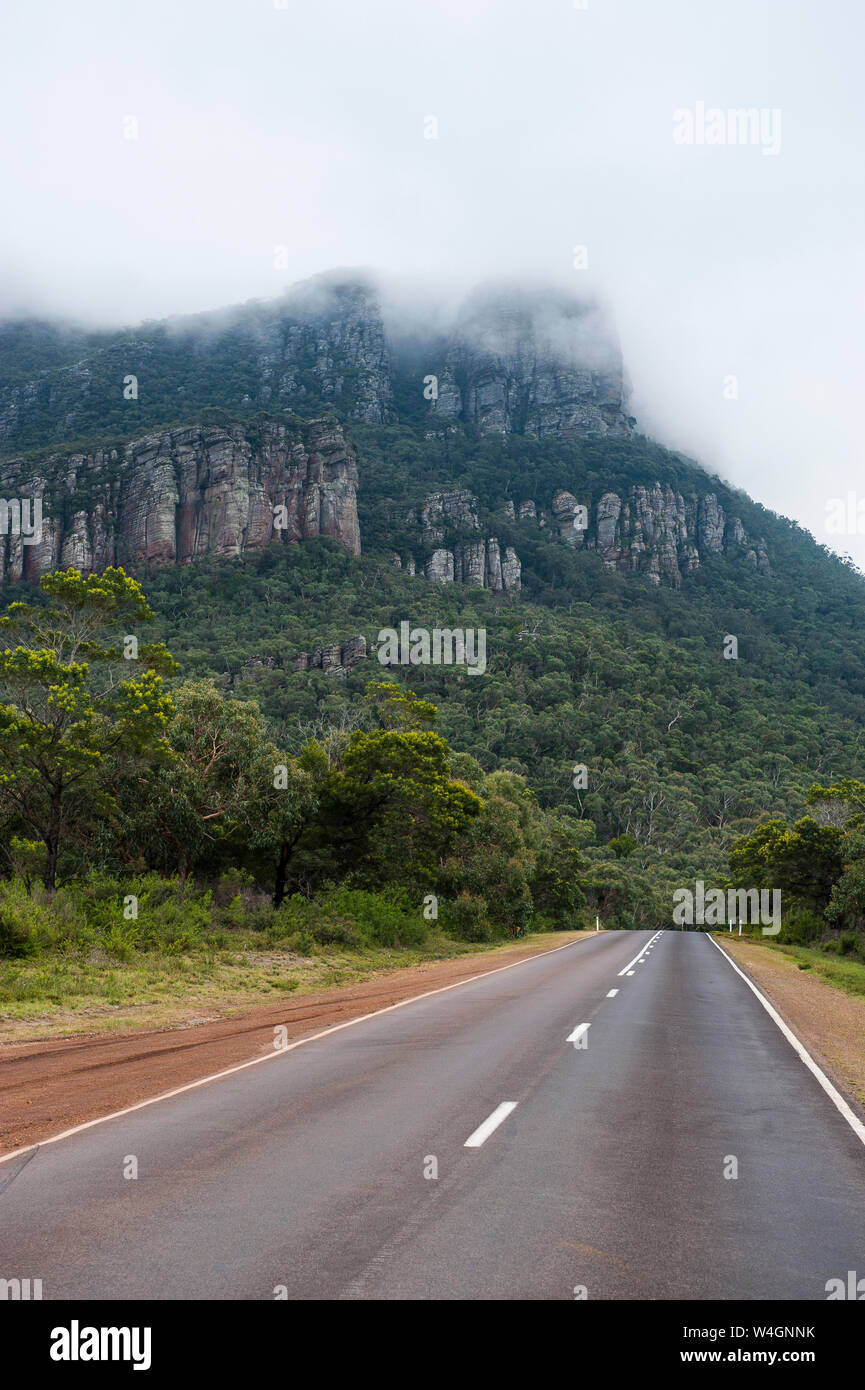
597	1158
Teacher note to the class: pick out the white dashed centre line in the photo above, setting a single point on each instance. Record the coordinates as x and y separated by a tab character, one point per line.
483	1132
612	994
638	957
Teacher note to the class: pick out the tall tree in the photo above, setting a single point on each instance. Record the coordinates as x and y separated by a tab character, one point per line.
391	813
72	711
804	860
228	793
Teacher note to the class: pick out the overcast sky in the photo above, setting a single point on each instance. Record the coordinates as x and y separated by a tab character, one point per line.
735	270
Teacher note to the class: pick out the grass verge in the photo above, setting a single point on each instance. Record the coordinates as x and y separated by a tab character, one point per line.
844	972
56	995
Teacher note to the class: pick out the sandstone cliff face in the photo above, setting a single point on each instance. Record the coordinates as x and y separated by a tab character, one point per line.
172	497
327	342
441	509
536	365
511	363
472	560
333	658
653	531
657	531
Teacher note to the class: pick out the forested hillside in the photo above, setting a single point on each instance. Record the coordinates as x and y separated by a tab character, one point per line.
660	681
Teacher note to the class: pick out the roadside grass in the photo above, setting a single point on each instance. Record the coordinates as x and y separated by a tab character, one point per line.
845	972
64	994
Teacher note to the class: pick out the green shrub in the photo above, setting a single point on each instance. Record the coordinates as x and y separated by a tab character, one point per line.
381	919
247	911
121	940
23	921
96	914
302	943
295	915
332	932
466	919
801	926
231	885
352	917
15	940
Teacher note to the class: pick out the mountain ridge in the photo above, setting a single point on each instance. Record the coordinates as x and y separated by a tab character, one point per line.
512	366
506	365
606	639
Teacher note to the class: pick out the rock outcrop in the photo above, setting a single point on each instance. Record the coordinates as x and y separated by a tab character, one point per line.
471	559
544	363
540	364
443	509
332	658
656	531
651	530
326	341
175	496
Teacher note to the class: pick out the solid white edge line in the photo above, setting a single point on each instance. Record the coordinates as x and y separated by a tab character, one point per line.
280	1052
799	1048
483	1132
612	994
639	954
578	1032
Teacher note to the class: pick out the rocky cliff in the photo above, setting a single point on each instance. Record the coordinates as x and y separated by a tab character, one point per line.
656	531
471	559
653	531
177	495
332	658
540	364
510	363
172	497
325	341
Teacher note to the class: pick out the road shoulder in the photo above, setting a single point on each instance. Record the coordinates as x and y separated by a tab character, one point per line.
827	1020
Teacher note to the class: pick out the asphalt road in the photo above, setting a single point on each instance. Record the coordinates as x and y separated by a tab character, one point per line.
307	1172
